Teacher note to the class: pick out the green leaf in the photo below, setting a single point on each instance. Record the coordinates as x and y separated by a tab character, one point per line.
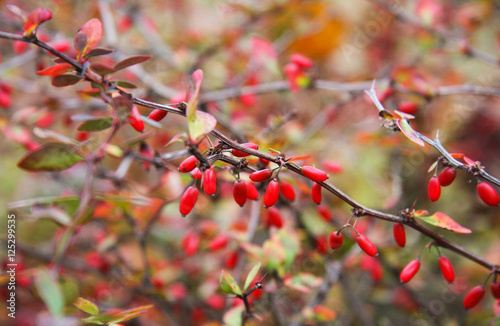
50	292
251	275
405	127
51	212
50	157
96	124
65	80
234	316
444	221
124	84
228	284
199	123
86	305
74	200
118	317
303	282
131	61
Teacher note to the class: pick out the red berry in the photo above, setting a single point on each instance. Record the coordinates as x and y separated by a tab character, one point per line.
157	114
238	153
218	242
252	192
488	194
272	194
301	61
190	243
197	174
373	265
399	234
216	301
321	245
447	176
316	193
274	217
263	161
495	289
188	200
325	213
409	271
209	181
314	174
335	239
231	260
473	297
188	164
240	192
408	107
46	120
147	152
136	123
434	189
286	190
366	245
135	120
446	269
262	175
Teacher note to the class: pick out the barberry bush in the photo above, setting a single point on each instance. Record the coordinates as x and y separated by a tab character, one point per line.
250	163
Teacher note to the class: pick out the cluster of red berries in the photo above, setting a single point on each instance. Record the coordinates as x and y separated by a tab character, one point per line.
295	71
336	239
244	190
476	294
411	269
446	177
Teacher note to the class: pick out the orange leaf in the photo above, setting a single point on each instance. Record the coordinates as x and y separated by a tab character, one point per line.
444	221
88	36
55	70
404	126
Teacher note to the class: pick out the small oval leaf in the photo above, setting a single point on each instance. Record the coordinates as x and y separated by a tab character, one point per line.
444	221
50	157
251	275
131	61
228	284
405	127
65	80
98	52
56	70
86	305
96	124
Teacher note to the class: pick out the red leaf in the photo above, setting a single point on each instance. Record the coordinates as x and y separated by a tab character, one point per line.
88	36
35	18
131	61
55	70
444	221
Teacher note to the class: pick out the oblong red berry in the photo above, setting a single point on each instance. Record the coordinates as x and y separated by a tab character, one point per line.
136	123
399	234
240	193
473	297
239	153
488	194
314	174
209	181
188	164
197	174
446	269
366	245
218	242
274	217
495	289
231	259
190	243
261	175
409	271
335	240
188	200
316	193
446	176
434	189
157	114
325	213
272	193
286	190
252	192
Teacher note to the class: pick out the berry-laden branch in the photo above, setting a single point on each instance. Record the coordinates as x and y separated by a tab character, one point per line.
439	239
204	161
